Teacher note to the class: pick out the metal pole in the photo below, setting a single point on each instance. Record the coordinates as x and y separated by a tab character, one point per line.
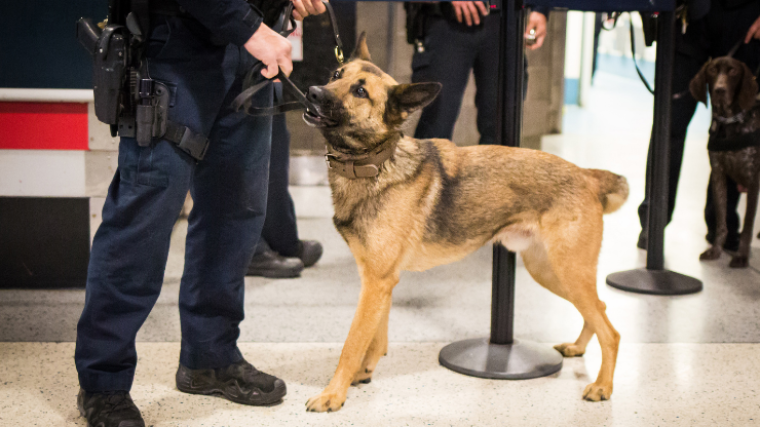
501	356
655	279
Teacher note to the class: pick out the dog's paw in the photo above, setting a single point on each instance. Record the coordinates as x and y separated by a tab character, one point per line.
739	262
325	402
595	392
569	349
362	377
711	254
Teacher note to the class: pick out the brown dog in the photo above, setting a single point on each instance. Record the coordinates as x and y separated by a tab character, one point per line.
408	204
734	145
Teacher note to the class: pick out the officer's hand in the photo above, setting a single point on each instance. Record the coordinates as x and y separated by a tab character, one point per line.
272	49
470	11
304	8
754	31
536	22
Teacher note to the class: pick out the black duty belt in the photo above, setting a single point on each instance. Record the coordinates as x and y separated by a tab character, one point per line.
254	81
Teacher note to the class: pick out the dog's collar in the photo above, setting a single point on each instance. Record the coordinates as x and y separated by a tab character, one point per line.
363	165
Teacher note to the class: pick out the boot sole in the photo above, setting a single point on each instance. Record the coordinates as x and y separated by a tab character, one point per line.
263	399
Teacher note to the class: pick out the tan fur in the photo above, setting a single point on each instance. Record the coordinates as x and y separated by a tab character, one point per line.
434	203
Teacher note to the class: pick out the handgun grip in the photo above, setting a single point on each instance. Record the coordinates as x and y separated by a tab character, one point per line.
88	34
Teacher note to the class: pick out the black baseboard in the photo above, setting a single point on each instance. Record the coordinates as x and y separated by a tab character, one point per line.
44	242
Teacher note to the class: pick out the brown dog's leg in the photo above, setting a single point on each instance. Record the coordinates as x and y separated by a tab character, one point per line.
574	262
374	303
377	349
578	348
741	260
718	181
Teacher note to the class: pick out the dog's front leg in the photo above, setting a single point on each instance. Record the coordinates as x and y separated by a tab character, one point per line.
741	260
718	181
374	303
377	349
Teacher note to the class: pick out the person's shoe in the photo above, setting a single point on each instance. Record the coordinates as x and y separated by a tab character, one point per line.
268	263
731	244
642	243
309	251
239	382
111	409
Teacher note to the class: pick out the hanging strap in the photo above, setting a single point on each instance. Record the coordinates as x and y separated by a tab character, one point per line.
633	54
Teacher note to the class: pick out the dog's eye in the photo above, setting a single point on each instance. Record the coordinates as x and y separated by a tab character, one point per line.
733	71
712	70
336	75
361	92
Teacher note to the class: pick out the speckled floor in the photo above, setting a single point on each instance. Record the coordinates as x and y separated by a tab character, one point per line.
686	360
656	385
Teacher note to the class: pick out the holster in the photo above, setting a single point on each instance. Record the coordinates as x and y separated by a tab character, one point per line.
110	51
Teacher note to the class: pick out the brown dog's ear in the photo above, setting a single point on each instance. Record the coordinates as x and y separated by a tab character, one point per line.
747	89
698	85
361	51
406	98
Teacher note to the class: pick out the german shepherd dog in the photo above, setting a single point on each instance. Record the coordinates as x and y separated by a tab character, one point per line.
408	204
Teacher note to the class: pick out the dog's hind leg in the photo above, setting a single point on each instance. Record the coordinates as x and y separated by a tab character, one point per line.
374	303
377	349
574	262
537	263
741	260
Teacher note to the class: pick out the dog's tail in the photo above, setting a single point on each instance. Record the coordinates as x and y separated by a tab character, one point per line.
613	189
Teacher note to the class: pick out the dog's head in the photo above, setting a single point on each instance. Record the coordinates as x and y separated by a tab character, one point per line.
729	81
361	103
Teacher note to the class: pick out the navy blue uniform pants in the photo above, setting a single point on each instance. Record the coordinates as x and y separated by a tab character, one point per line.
712	36
229	189
451	51
280	229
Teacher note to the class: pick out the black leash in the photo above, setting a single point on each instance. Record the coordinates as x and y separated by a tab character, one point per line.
255	81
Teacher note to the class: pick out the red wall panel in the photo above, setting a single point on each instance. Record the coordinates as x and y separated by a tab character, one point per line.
43	126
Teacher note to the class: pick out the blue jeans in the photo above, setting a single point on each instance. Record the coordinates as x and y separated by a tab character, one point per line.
229	189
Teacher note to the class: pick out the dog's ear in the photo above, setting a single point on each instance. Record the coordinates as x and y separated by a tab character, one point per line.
361	51
747	89
698	85
406	98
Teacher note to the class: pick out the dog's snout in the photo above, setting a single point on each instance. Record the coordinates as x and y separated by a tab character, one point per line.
315	94
720	90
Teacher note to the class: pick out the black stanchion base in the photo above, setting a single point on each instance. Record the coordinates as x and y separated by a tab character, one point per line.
656	282
520	360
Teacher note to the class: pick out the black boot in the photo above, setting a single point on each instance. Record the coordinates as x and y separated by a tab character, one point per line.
268	263
239	382
110	409
309	251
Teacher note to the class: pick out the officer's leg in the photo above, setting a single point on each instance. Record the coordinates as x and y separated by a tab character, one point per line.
447	59
280	229
229	189
485	69
127	262
682	110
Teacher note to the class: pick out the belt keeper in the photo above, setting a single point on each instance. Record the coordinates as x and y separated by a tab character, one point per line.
350	173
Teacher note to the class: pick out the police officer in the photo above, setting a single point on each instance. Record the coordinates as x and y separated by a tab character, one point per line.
460	36
201	54
708	34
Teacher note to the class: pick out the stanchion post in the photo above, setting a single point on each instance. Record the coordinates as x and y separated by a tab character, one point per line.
501	356
654	279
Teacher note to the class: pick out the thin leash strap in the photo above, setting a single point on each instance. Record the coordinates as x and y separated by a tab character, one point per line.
633	54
